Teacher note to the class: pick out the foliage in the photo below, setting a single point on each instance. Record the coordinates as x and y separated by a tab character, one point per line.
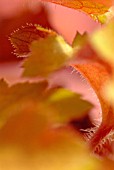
35	119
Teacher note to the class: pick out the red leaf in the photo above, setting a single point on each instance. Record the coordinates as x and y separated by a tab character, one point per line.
22	38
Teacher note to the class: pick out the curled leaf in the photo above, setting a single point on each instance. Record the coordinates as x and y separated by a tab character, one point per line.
98	72
97	75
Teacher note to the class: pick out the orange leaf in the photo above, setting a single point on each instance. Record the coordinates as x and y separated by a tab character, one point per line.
97	75
98	72
91	7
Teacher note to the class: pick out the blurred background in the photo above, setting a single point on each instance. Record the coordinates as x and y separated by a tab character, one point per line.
16	13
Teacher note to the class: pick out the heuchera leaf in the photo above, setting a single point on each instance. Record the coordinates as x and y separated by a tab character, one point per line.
24	14
57	105
19	98
98	72
79	41
24	36
46	51
108	164
47	55
92	7
54	149
63	102
93	68
97	75
28	135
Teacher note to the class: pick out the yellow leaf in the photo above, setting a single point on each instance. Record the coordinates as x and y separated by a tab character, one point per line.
79	41
30	139
108	91
55	149
67	106
47	55
19	98
55	105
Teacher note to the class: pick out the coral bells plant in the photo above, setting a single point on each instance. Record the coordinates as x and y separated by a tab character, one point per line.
36	130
